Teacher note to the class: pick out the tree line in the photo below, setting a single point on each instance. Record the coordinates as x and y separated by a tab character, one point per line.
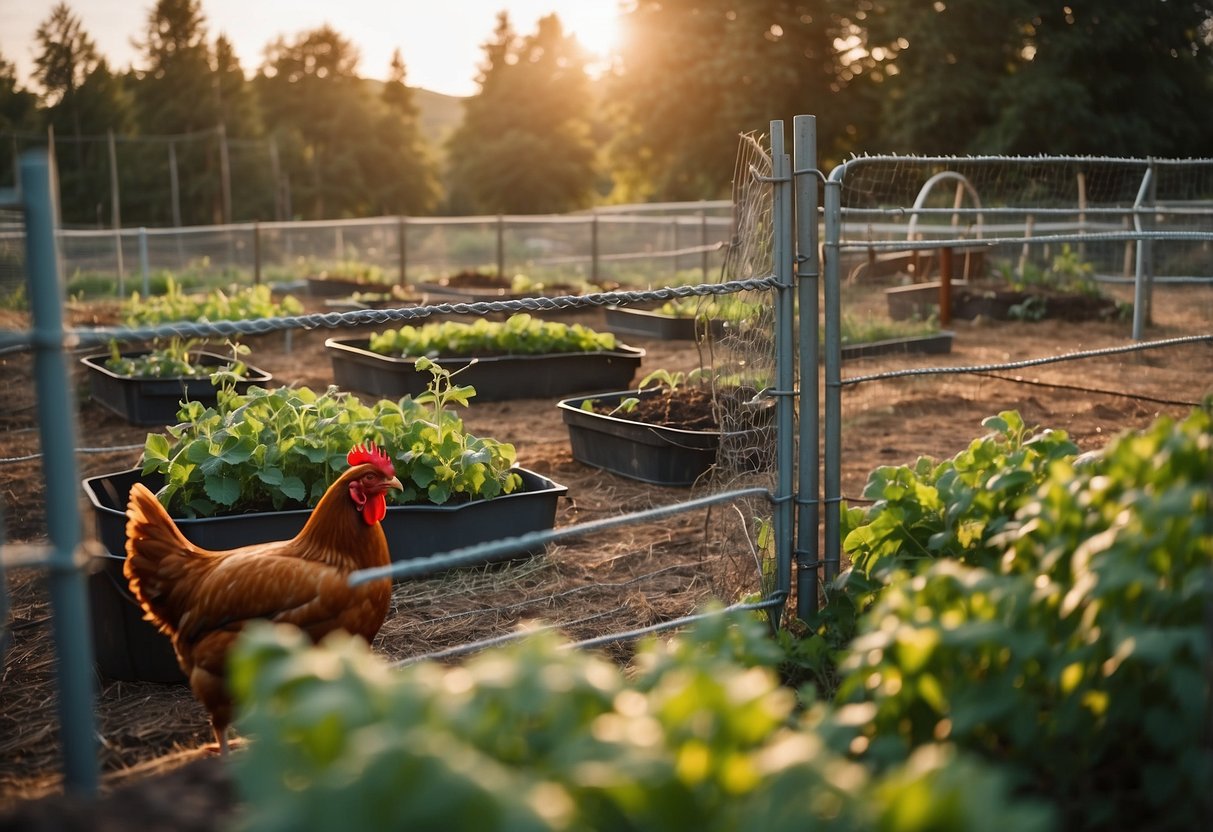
305	136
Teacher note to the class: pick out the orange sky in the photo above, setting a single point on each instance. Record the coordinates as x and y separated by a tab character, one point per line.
439	39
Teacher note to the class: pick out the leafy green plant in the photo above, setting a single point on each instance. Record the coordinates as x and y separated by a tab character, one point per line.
723	308
520	334
867	330
282	448
176	359
672	381
1044	612
175	304
1067	272
698	735
522	284
344	270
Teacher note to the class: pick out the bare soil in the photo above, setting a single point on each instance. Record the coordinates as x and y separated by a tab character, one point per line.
157	772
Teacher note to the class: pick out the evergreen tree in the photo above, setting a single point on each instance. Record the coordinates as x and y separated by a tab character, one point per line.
693	74
67	56
524	145
84	100
324	117
1105	77
402	169
18	112
250	161
177	94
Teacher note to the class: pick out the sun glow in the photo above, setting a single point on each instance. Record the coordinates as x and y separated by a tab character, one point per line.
596	25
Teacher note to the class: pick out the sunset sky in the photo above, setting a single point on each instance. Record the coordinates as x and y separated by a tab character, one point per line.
439	39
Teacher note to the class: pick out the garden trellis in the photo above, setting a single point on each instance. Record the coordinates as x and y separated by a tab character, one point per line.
876	209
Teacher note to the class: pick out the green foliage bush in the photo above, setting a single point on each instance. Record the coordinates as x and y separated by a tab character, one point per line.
1046	612
537	737
520	334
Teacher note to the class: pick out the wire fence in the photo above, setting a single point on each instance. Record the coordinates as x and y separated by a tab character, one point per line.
888	222
625	246
555	240
1097	251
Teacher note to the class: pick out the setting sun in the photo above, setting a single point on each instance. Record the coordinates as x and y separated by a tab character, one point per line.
596	25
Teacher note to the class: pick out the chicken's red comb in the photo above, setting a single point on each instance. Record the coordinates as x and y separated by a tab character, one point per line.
360	454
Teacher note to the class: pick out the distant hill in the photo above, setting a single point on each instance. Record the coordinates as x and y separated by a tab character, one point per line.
439	115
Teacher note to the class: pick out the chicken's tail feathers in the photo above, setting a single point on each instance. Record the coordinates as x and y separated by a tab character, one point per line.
157	559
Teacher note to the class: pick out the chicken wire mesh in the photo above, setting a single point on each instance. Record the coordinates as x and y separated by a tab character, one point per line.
740	351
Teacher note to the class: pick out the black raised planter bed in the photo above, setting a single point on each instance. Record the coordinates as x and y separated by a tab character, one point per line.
341	287
970	300
478	288
938	343
649	453
495	378
646	323
155	401
129	648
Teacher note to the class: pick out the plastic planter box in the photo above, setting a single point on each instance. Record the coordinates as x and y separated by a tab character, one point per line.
938	343
640	451
495	378
155	401
338	287
642	323
129	648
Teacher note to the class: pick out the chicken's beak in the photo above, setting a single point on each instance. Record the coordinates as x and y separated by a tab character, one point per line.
393	483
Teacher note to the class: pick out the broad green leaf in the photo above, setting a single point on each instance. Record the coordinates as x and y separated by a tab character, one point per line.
223	490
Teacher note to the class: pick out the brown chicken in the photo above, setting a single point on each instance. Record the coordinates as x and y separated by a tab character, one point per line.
203	599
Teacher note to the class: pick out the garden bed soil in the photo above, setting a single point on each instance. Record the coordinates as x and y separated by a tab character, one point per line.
688	408
156	771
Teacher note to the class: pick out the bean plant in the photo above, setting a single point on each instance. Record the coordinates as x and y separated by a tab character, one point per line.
277	449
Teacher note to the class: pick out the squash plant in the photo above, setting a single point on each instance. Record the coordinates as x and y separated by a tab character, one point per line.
281	448
520	334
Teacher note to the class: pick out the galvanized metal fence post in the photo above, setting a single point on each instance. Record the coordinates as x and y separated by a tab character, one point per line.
785	381
402	249
1144	277
832	412
501	245
144	266
808	488
56	420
